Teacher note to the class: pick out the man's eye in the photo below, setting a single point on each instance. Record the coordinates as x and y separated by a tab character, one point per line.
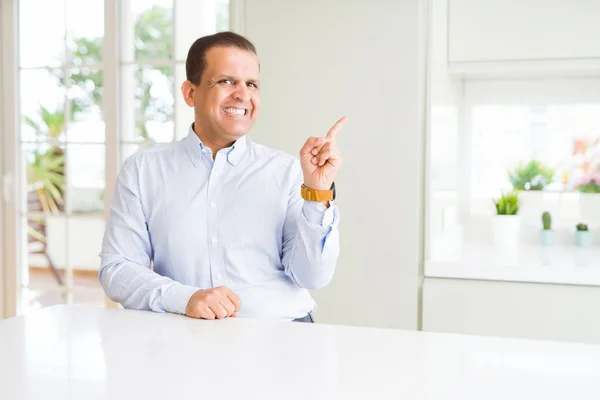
227	81
250	84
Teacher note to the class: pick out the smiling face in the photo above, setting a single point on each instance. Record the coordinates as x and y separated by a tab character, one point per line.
226	101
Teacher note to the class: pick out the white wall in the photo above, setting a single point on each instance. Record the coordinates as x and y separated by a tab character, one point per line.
524	30
525	310
324	59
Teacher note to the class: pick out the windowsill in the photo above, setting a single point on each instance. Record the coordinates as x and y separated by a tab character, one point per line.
568	265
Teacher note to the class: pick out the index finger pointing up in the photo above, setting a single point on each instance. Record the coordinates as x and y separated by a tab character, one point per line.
335	129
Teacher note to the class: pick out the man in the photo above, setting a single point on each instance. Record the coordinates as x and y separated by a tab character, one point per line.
231	227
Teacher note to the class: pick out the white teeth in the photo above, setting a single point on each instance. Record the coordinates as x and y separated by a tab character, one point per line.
235	111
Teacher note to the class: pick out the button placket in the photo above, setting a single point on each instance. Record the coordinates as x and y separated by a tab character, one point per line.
215	187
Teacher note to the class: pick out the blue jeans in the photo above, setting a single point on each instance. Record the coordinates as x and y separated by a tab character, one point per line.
308	318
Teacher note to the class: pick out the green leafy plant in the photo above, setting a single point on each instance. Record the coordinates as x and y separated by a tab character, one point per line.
507	204
547	221
48	124
581	227
531	176
45	175
46	166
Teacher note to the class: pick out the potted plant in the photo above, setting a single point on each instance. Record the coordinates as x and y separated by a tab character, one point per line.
583	237
506	224
589	195
530	180
533	176
547	237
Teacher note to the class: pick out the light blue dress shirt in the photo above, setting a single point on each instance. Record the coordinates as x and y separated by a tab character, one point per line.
238	221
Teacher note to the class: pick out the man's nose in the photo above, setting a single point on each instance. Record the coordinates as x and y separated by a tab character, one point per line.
242	92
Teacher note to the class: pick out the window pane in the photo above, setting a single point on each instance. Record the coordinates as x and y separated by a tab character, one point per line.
85	166
46	261
85	31
222	10
127	150
42	105
44	169
85	243
564	137
147	31
147	103
444	148
194	18
85	94
42	33
43	254
56	249
184	114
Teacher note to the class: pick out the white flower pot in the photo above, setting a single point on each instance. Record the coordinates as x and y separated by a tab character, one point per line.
589	206
531	203
506	231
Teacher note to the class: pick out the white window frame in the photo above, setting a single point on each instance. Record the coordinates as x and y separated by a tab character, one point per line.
10	157
1	175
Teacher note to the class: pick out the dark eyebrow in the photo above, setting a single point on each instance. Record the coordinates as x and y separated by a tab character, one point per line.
221	77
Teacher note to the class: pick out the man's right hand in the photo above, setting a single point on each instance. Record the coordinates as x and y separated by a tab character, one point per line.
219	302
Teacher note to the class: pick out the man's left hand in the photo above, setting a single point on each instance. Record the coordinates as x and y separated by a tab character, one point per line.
321	160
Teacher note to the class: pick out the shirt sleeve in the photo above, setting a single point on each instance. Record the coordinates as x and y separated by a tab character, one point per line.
310	238
125	272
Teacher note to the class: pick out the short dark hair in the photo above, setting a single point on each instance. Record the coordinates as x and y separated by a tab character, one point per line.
195	64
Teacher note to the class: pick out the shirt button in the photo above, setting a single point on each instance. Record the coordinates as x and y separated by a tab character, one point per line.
215	240
213	204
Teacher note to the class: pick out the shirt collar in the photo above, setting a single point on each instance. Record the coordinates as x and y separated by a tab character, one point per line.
195	147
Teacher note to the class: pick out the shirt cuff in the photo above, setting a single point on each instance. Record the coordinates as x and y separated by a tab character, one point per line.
317	213
176	298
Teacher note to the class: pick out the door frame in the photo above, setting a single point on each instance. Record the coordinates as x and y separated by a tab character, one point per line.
1	185
9	128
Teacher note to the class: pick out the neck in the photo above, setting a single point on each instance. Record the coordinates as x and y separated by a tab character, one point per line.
211	140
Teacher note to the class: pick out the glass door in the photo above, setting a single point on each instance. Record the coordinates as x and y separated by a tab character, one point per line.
62	151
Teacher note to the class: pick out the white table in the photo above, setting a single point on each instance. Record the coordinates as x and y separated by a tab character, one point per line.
93	353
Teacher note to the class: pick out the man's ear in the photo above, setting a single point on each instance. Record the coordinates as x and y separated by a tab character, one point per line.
187	90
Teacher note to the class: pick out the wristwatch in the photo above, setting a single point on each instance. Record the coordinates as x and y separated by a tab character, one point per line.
318	195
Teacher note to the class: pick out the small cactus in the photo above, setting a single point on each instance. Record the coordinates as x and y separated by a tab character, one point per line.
581	227
547	221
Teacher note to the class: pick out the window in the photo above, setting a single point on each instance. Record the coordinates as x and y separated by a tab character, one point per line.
63	136
538	137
